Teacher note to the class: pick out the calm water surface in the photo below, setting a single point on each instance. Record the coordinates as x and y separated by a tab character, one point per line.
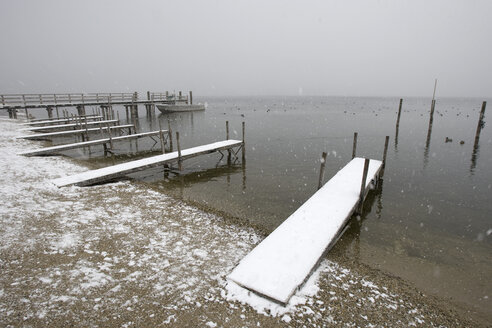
430	220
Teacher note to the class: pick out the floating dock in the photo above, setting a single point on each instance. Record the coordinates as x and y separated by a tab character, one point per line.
50	135
117	171
283	261
69	126
57	149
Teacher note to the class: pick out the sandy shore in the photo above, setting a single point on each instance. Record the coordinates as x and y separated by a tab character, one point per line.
124	255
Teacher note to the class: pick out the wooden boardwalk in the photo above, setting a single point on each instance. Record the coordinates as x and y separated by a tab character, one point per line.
51	135
120	170
283	261
57	149
69	125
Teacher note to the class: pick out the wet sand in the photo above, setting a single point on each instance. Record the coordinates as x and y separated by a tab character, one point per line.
125	255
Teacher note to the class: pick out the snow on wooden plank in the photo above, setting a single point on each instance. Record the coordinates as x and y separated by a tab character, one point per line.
63	120
49	135
280	264
55	118
115	171
68	126
59	148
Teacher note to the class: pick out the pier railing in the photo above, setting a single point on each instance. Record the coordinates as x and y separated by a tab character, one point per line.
65	98
166	96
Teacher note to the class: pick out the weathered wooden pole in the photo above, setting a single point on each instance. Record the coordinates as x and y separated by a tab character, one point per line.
50	111
161	136
480	122
180	166
363	186
244	142
227	138
322	170
170	135
191	98
386	142
399	114
227	130
110	138
354	145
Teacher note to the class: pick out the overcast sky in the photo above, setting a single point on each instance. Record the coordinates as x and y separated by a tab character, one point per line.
230	47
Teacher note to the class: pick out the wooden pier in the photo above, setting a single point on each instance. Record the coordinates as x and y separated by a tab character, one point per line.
117	171
51	135
57	149
283	261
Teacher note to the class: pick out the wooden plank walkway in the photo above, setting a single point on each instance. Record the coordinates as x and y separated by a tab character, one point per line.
57	149
64	120
117	171
50	135
68	126
283	261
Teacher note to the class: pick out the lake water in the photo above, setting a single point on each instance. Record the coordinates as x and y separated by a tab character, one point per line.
429	222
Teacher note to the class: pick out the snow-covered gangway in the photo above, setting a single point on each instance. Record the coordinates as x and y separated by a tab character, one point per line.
50	135
64	120
59	148
119	170
69	125
281	263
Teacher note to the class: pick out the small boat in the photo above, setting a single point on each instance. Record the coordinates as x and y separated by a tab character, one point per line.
171	108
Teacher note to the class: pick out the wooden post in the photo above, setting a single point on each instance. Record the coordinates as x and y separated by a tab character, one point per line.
179	98
363	186
322	170
227	138
386	142
227	130
86	131
191	98
354	146
118	117
110	137
244	143
161	136
399	113
480	122
170	135
180	167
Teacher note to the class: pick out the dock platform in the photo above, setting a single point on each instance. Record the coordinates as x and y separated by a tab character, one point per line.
57	149
283	261
116	171
50	135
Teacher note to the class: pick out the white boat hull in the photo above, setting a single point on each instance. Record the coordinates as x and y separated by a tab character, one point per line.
166	108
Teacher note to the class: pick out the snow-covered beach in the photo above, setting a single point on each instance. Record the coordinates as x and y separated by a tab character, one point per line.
122	254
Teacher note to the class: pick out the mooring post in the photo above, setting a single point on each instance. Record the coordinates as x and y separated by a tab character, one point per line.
118	118
86	131
110	137
170	135
399	113
354	146
322	170
227	138
386	142
161	136
480	122
50	111
191	98
244	142
227	130
180	167
363	186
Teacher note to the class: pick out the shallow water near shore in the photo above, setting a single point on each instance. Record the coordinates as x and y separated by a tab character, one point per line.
428	222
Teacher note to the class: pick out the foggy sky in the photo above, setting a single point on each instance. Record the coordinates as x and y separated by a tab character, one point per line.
346	48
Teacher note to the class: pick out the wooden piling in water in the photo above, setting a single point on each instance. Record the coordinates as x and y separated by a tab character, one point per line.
354	145
363	186
161	137
227	138
322	170
386	142
399	114
480	122
170	135
243	149
180	166
190	100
